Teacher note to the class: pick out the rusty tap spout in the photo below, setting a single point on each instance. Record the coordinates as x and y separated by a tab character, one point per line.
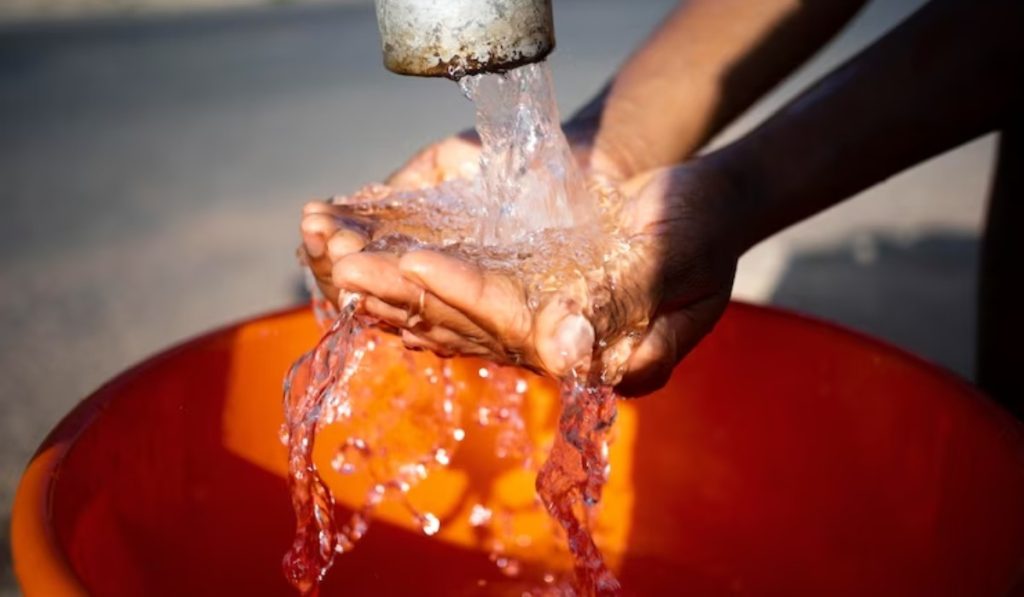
453	38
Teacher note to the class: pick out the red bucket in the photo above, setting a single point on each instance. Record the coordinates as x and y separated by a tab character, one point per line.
785	457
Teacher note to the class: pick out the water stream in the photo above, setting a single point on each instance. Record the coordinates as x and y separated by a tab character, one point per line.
530	213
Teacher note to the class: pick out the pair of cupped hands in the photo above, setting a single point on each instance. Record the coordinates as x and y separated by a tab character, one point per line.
676	282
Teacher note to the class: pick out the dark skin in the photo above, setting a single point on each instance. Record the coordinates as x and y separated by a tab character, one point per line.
947	75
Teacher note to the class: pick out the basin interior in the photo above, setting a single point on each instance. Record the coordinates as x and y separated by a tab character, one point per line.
785	457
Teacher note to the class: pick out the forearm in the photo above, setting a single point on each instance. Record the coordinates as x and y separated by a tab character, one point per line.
950	73
707	63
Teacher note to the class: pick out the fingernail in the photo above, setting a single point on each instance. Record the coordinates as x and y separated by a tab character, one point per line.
574	339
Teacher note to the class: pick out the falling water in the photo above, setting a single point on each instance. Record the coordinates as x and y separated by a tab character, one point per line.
531	213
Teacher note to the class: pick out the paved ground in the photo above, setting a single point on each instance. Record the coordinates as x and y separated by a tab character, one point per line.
17	11
151	170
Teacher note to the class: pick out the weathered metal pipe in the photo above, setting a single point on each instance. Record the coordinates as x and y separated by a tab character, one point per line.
452	38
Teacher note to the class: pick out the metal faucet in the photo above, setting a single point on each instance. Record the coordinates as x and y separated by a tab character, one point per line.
453	38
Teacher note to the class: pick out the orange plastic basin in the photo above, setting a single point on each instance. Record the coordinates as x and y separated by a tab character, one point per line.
786	457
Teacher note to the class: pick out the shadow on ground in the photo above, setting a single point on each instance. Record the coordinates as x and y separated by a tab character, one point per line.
917	292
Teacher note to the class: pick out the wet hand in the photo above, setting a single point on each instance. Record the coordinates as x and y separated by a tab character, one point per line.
691	216
329	233
454	157
677	281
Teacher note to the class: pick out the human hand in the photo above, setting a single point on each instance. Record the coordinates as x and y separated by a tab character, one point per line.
673	286
458	156
453	157
330	231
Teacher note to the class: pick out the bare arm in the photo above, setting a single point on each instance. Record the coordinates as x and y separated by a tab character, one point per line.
706	64
950	73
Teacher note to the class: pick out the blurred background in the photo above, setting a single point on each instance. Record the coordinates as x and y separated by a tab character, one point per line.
154	155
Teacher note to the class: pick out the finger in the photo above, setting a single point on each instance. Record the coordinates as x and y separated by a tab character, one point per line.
436	314
439	338
316	229
375	274
445	342
420	171
328	234
614	358
670	337
327	289
345	241
321	207
563	336
414	342
454	157
457	157
652	362
389	314
411	306
432	318
494	302
326	217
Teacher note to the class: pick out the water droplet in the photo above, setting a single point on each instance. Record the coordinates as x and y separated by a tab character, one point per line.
359	526
431	525
549	578
459	435
479	515
484	372
483	415
376	495
442	457
508	566
338	462
521	386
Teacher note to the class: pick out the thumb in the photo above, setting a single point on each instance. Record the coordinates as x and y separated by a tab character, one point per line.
563	336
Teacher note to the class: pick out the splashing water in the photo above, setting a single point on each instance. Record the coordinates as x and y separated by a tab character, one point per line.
530	213
529	179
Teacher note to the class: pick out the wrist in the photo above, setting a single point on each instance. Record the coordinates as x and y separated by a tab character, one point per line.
596	150
737	168
611	139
